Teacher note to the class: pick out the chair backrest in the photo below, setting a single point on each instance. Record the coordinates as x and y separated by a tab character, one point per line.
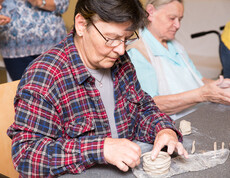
7	94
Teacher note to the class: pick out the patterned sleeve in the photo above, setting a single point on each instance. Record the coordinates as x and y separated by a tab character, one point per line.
150	119
61	6
39	148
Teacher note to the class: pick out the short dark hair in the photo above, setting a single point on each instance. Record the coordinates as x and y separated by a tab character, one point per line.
117	11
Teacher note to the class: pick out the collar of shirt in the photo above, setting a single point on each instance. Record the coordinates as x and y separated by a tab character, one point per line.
80	72
158	49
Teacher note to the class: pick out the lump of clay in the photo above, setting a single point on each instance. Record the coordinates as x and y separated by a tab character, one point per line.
159	166
185	127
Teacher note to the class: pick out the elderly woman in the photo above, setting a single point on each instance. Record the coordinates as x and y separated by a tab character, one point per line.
27	29
163	67
80	104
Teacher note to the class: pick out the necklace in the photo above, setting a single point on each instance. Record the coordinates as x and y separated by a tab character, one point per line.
100	81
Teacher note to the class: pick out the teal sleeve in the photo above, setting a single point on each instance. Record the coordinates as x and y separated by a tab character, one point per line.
145	72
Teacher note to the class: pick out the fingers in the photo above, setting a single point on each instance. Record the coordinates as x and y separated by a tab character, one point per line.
168	137
217	91
132	161
220	80
224	84
162	139
122	153
178	147
171	147
122	166
156	149
180	150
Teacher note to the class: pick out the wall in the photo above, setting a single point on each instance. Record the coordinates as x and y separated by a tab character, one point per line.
204	15
68	16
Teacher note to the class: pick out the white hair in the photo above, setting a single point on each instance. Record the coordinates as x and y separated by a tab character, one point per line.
158	3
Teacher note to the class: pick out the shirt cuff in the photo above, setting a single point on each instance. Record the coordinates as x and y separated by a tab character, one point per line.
92	150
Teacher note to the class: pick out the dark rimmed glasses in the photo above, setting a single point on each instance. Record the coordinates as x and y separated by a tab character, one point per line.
116	42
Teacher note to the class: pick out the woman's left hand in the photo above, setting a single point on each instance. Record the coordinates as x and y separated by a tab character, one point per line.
167	137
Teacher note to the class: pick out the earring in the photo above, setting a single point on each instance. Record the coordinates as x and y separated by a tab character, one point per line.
79	33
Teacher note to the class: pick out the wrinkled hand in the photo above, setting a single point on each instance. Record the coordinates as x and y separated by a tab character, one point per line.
122	153
217	91
167	137
4	20
224	83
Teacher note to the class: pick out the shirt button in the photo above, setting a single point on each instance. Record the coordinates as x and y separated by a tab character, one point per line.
96	98
106	124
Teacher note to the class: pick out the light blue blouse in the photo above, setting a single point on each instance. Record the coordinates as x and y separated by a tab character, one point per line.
176	72
31	30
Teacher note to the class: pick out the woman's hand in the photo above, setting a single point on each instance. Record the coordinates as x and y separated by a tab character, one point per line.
167	137
216	91
4	20
122	153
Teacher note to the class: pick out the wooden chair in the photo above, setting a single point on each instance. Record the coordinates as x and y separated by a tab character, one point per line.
7	94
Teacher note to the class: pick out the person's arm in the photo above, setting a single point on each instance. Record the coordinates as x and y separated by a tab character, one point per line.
210	91
42	144
147	122
171	104
154	126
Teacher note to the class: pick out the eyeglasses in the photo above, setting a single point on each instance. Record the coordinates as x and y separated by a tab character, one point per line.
116	42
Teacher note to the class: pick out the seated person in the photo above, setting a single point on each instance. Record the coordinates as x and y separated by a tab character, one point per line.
225	50
80	103
164	69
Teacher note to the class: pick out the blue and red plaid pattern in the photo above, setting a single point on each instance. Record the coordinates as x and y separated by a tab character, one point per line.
61	123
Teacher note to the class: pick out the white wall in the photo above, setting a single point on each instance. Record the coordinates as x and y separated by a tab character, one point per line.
204	15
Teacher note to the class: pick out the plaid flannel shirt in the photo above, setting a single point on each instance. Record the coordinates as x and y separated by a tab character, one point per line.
61	123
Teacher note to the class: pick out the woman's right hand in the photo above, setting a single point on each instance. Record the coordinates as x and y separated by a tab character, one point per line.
122	153
4	20
217	91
